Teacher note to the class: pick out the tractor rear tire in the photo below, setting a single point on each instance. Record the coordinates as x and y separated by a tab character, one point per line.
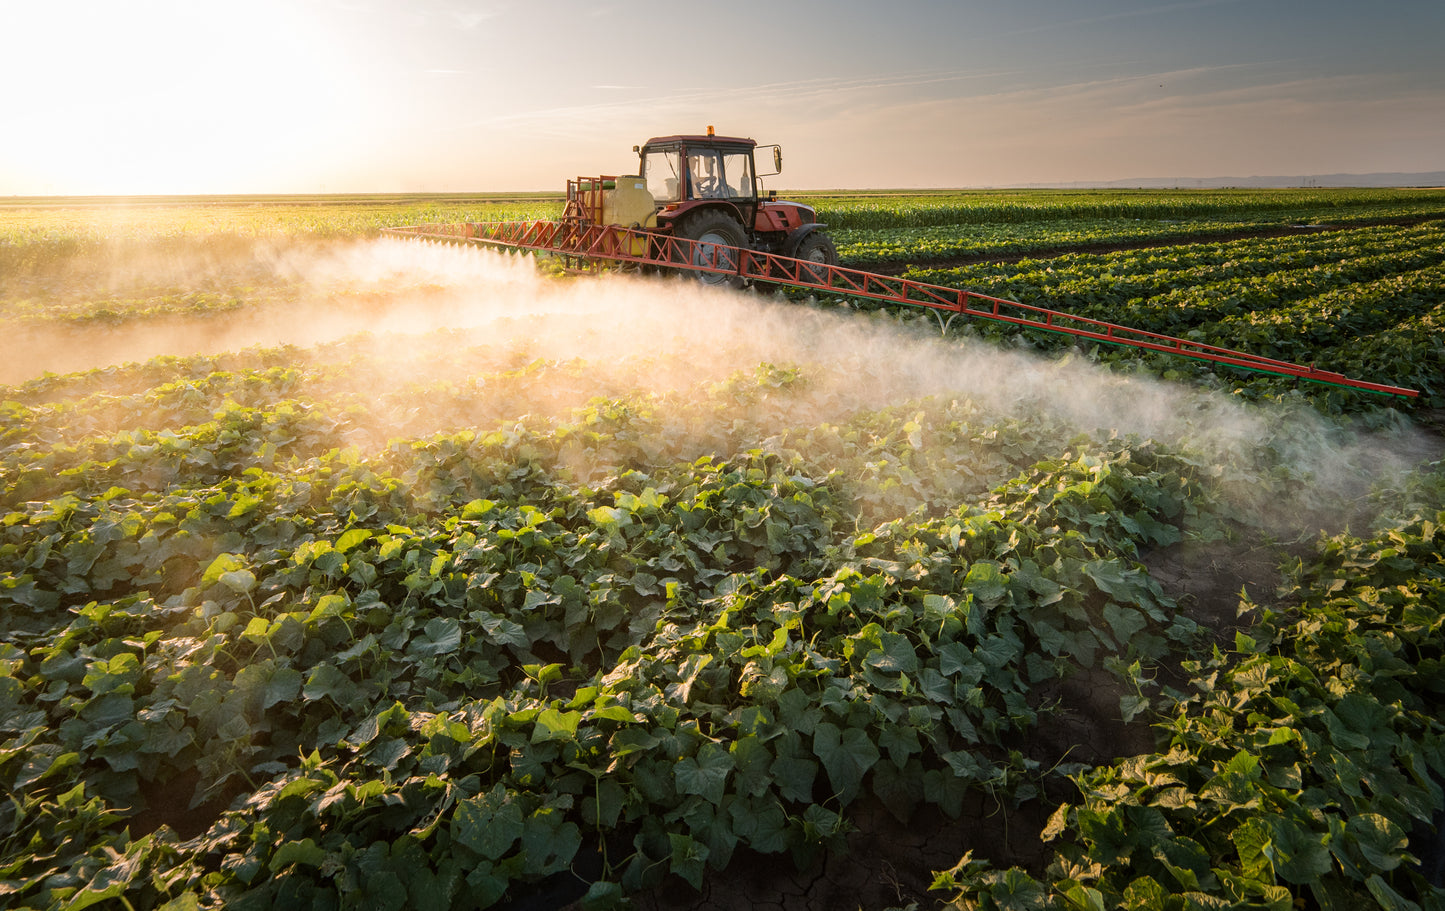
713	229
816	248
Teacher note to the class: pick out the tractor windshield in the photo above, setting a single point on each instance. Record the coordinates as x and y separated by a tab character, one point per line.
662	171
706	174
720	175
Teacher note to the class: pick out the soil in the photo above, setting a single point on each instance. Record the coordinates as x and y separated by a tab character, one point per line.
168	803
888	863
1210	582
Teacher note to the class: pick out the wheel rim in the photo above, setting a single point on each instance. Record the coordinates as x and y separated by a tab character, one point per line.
707	252
815	253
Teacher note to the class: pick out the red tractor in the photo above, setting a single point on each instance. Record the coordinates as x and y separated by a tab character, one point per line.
705	189
697	208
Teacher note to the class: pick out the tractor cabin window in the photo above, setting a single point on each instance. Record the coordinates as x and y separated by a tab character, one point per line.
663	174
738	168
705	172
718	175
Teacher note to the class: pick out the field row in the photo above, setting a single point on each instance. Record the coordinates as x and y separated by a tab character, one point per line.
60	229
543	586
1183	209
459	664
862	248
1367	302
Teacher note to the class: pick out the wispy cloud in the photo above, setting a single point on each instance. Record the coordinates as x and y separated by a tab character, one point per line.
470	20
791	92
1204	121
1148	10
468	14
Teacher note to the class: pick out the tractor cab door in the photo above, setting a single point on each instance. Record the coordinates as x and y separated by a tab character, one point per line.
663	171
724	175
715	174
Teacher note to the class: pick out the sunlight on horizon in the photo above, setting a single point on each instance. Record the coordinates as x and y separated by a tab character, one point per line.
162	98
134	97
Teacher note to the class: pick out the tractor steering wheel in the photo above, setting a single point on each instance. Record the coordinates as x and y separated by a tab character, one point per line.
706	187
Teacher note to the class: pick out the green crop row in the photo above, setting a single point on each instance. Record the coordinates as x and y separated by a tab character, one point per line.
1322	794
406	674
896	246
448	670
441	621
988	208
1366	302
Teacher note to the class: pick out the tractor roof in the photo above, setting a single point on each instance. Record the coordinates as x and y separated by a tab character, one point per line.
694	139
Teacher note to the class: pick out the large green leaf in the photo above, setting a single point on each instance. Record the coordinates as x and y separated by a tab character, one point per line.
552	724
986	581
1380	840
489	824
896	656
794	776
847	755
549	841
689	858
440	636
706	774
1300	854
1125	622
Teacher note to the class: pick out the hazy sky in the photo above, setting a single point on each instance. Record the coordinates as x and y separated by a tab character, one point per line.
242	96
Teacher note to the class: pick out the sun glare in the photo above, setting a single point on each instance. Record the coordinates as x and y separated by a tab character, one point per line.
172	97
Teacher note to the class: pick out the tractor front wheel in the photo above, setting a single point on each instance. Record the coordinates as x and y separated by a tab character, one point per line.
816	248
713	232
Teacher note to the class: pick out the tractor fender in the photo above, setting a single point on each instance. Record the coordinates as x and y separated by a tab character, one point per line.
667	220
797	236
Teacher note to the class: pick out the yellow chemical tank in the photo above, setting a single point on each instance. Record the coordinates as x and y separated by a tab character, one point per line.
630	205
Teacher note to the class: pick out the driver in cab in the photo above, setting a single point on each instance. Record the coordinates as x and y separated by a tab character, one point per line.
707	182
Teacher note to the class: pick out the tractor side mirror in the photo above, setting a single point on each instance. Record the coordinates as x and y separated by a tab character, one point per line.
777	160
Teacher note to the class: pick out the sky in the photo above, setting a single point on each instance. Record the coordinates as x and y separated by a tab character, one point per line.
397	96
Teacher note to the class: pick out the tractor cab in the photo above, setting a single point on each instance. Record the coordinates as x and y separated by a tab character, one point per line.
681	169
701	184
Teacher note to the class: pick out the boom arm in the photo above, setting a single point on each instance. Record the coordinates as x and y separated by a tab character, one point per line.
612	243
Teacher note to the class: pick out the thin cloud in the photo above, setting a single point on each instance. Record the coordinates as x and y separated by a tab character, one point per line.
791	92
1112	17
468	15
468	21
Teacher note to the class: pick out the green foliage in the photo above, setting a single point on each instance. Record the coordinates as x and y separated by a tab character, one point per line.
1366	303
964	209
1296	768
446	667
279	631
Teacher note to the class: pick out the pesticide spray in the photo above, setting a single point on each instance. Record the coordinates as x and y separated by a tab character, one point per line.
662	337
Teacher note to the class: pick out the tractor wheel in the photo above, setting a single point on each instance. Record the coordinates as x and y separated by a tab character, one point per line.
712	230
816	248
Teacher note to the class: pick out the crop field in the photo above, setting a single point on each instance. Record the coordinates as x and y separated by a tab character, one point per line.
343	571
